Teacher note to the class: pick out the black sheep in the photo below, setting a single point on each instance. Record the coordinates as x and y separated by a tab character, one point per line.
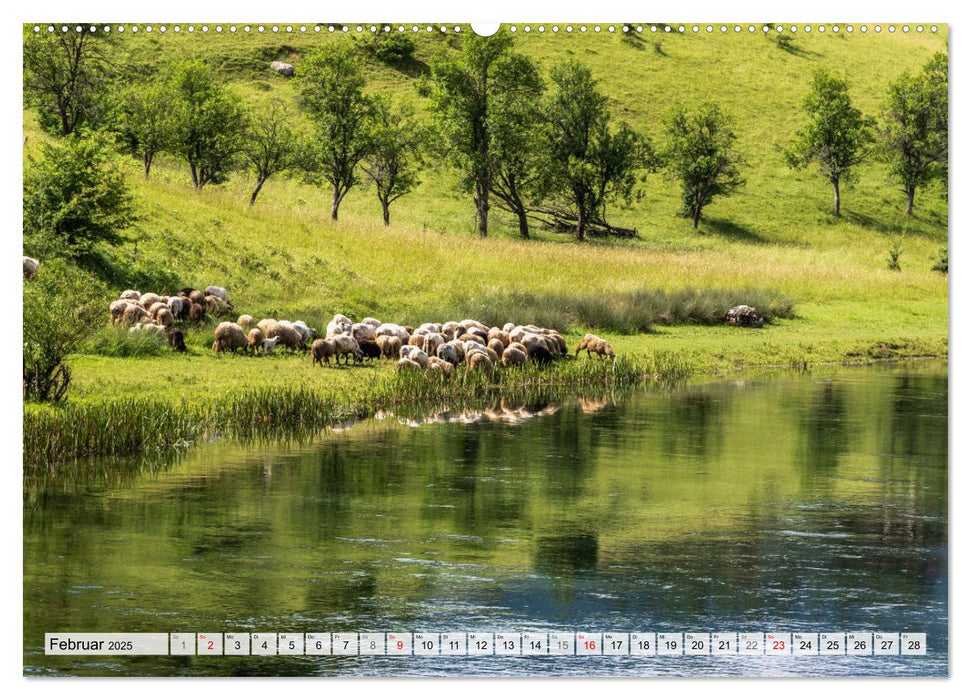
540	355
177	339
197	313
370	349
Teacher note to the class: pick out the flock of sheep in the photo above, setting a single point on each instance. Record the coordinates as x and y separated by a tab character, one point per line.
432	347
154	313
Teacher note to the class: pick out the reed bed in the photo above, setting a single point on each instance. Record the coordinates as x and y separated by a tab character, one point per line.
57	434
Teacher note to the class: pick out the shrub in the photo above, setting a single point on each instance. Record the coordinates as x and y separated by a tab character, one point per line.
74	198
893	257
941	265
61	308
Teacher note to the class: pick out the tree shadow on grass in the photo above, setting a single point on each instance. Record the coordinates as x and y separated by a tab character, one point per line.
412	67
892	228
731	230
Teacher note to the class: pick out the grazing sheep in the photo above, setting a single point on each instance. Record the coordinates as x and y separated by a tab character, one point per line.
471	345
393	329
31	266
130	295
431	327
148	299
459	349
432	343
341	318
418	340
508	327
156	307
197	313
245	322
496	346
197	297
117	309
371	322
450	330
473	337
436	364
472	324
322	350
268	345
407	365
540	354
254	339
148	328
305	331
229	336
133	314
164	317
592	343
390	346
518	346
337	327
286	333
493	355
480	360
215	305
347	347
369	349
264	325
501	335
745	316
364	331
447	352
217	292
415	353
560	343
409	329
513	357
177	339
178	307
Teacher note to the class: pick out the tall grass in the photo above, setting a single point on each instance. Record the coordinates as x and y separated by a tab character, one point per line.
55	434
625	312
117	341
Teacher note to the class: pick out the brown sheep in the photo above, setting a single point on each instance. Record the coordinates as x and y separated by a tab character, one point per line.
215	305
592	343
501	335
197	297
245	322
496	345
479	360
133	314
164	317
229	337
560	343
390	346
436	364
418	340
322	350
254	339
264	324
288	335
513	357
148	299
406	365
197	314
117	309
518	346
156	307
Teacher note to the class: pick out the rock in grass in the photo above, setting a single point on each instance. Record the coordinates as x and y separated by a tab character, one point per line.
282	68
744	316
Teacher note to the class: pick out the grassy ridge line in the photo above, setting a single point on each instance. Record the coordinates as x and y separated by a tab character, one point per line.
130	426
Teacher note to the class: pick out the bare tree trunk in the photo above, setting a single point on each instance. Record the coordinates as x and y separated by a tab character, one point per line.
836	197
482	207
195	175
696	216
259	185
581	218
523	223
386	212
147	160
910	199
335	203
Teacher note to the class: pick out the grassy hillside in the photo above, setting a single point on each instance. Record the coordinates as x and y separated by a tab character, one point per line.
285	258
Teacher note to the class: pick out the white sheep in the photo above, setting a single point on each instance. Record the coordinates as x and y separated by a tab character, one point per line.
364	331
219	292
31	266
415	354
131	295
371	321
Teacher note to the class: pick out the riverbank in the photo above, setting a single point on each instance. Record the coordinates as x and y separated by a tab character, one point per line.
124	406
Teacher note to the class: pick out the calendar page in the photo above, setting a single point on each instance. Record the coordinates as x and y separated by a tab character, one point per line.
537	349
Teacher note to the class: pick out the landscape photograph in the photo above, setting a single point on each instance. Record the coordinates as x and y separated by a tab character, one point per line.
617	332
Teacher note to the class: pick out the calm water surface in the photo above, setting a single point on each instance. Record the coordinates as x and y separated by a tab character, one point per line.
790	502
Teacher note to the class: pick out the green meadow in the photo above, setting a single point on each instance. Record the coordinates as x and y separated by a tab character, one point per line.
776	241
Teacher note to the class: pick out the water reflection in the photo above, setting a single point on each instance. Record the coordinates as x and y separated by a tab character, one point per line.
797	502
